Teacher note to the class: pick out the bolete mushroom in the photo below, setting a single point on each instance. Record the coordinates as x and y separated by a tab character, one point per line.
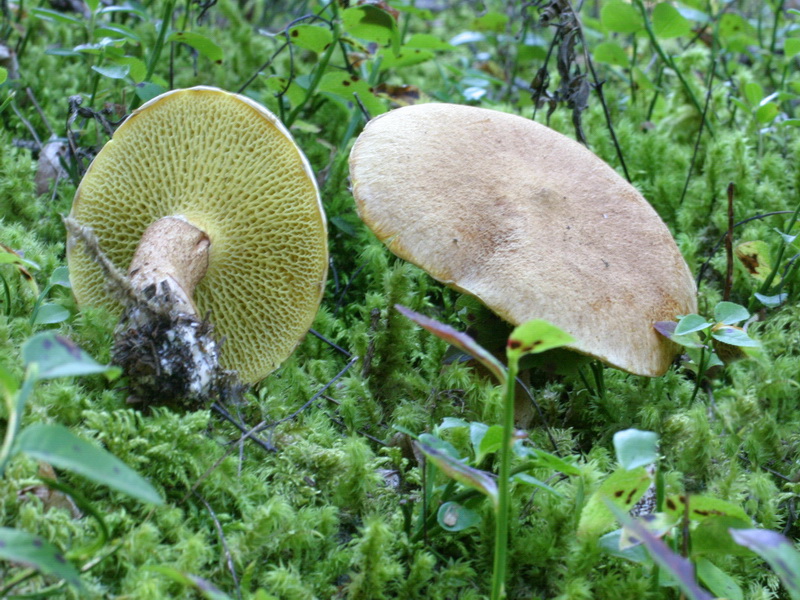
529	222
208	202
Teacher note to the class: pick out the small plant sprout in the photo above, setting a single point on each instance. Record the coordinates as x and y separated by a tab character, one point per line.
532	337
529	222
728	342
214	210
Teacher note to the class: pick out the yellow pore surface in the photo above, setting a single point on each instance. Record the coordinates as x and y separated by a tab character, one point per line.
230	168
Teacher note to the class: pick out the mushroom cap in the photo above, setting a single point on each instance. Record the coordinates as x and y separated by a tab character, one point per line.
529	222
229	167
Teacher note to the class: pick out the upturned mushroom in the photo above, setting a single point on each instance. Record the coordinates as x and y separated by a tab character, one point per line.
206	200
528	221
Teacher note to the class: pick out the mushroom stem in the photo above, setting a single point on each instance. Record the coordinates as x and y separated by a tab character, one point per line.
172	254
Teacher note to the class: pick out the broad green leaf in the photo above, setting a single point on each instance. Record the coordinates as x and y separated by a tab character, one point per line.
439	444
458	339
535	336
490	442
668	22
622	489
204	588
755	257
457	470
344	85
703	507
427	41
778	551
294	92
60	277
492	21
680	568
766	113
311	37
712	537
50	313
58	446
691	324
112	71
735	33
452	516
58	356
611	543
147	90
636	448
138	70
611	53
728	334
371	23
715	579
3	75
791	48
730	313
620	17
117	30
406	57
23	547
201	43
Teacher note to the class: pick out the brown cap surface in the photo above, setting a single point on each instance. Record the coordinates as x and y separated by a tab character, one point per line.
528	221
229	167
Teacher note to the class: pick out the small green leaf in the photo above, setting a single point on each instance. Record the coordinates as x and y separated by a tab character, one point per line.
771	301
492	21
138	70
611	53
546	460
791	47
371	23
427	41
406	57
730	313
200	585
778	551
457	470
668	22
439	444
58	356
533	337
458	339
60	277
622	489
753	93
452	516
690	324
23	547
490	442
147	90
54	16
636	448
50	313
531	480
715	579
620	17
113	71
766	113
58	446
734	336
201	43
452	423
311	37
345	86
3	75
611	541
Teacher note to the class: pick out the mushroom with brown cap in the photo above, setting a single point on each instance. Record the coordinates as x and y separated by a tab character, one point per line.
208	201
528	221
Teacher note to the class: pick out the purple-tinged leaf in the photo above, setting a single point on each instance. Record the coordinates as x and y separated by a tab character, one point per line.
777	550
680	568
457	470
458	339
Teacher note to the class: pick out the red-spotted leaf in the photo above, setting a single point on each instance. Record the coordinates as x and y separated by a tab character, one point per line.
311	37
23	547
622	489
458	339
703	507
535	336
201	43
